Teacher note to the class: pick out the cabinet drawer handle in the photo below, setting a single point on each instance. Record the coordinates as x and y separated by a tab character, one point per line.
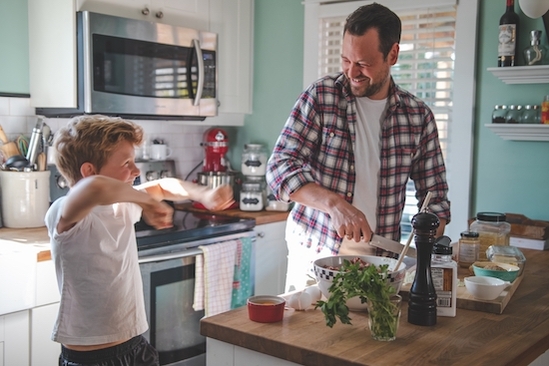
145	11
261	234
159	15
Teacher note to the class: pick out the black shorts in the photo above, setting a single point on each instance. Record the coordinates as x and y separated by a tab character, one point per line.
135	352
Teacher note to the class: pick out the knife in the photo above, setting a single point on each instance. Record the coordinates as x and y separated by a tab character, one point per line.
391	245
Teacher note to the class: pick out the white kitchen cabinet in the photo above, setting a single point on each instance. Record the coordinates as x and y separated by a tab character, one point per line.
43	351
14	339
52	46
232	20
271	259
184	13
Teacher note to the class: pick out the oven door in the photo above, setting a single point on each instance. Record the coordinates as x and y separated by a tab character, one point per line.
174	326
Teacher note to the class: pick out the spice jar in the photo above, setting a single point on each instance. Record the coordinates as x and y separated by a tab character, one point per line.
530	114
469	245
254	160
444	276
499	113
513	114
493	229
253	195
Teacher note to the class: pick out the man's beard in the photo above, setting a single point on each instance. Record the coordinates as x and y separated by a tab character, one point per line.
366	91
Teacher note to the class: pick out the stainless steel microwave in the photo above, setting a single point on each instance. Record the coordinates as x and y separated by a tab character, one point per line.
142	70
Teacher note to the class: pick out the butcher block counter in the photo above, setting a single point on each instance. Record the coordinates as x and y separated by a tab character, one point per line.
518	336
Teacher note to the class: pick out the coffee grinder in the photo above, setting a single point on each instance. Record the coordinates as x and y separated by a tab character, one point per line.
216	168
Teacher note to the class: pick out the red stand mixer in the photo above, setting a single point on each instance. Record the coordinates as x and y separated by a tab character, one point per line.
215	171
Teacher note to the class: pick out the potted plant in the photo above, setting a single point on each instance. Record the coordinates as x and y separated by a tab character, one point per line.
370	284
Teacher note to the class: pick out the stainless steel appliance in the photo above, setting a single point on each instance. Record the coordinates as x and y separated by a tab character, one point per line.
167	263
139	69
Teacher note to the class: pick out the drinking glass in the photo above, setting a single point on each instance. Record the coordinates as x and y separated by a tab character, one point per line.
383	318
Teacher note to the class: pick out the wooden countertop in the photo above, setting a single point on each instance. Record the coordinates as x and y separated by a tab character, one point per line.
516	337
30	236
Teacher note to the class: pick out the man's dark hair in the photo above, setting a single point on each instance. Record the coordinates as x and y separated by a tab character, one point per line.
376	16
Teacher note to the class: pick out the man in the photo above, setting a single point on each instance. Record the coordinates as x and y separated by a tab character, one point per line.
350	145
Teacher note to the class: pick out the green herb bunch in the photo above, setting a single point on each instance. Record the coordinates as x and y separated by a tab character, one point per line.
370	285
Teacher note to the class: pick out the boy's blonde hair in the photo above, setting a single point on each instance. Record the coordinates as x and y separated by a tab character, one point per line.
91	138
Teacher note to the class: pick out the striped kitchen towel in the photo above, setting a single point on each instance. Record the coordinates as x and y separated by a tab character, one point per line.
243	284
217	277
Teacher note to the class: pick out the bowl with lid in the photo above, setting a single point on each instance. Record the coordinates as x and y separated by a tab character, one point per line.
506	254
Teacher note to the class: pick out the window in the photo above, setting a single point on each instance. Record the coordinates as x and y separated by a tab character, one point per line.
434	33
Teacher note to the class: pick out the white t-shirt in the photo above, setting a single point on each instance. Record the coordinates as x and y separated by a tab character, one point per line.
98	276
367	150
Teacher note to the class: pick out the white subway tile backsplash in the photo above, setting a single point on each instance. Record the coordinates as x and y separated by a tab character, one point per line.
20	107
4	106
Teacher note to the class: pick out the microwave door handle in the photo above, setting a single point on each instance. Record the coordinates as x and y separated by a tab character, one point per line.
200	60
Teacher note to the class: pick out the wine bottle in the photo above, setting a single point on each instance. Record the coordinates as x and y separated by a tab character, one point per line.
508	35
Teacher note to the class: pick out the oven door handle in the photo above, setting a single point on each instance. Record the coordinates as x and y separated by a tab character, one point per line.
167	256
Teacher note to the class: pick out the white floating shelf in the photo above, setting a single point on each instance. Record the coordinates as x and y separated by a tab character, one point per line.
520	132
522	74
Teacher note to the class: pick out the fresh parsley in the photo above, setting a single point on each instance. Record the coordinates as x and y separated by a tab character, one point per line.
370	285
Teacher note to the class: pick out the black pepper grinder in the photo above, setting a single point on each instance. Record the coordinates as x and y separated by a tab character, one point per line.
422	305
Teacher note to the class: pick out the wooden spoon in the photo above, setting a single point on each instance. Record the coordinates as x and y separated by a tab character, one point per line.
9	148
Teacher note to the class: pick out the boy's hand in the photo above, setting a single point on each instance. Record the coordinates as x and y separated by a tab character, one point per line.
218	199
159	215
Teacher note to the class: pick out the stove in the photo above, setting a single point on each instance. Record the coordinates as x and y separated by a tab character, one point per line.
189	230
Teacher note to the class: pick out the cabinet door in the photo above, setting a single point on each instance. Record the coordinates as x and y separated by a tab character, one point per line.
232	20
14	339
52	53
44	351
271	259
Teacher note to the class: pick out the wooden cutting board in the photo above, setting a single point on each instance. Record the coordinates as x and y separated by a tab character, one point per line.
464	300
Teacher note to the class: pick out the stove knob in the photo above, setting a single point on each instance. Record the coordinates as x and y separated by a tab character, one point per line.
165	174
151	175
62	182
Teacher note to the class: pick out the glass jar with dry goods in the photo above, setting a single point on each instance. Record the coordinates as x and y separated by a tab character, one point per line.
514	114
530	114
254	160
493	229
253	194
499	114
469	245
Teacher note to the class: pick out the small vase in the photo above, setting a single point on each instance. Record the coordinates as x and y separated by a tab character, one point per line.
382	319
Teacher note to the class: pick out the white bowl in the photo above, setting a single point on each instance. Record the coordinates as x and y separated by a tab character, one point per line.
485	287
325	276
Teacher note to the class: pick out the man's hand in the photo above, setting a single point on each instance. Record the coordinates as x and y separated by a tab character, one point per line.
350	222
158	214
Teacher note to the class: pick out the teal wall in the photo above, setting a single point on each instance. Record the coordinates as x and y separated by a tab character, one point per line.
14	47
509	176
278	74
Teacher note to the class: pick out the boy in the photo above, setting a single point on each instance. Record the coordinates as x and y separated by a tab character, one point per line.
102	315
